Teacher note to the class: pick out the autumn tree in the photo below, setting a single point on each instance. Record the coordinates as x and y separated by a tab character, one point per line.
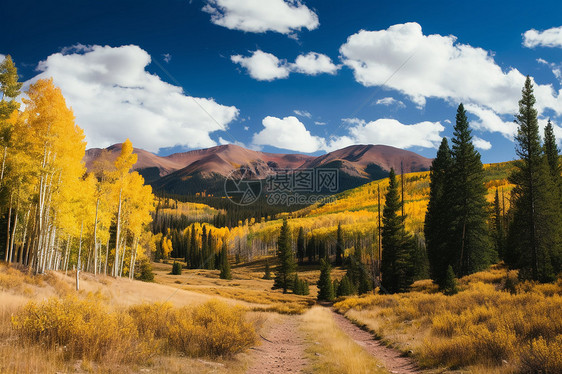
286	267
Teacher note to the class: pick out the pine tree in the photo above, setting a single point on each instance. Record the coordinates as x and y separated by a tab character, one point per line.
498	229
311	249
325	285
267	274
301	246
204	249
397	244
469	240
437	215
305	288
345	287
224	264
176	268
339	246
286	266
194	261
534	233
450	283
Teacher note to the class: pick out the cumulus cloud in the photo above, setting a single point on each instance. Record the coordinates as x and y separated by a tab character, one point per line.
481	143
390	101
290	133
287	133
547	38
314	63
285	17
114	98
302	113
436	66
263	66
491	122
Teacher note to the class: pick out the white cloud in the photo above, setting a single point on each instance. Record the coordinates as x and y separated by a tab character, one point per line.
547	38
167	57
260	16
290	133
114	98
287	133
481	143
320	123
263	66
302	113
556	69
223	141
314	63
389	101
390	132
490	121
425	66
246	128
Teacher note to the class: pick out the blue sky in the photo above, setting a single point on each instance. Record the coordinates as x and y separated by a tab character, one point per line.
280	75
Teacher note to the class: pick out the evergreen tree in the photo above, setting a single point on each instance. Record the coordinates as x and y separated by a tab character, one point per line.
311	249
396	264
346	287
204	249
450	283
301	246
267	274
339	246
224	264
305	288
325	285
194	261
534	233
498	229
188	255
437	215
176	268
210	259
469	241
286	266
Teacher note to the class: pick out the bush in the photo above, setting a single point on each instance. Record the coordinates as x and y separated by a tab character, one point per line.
176	268
144	272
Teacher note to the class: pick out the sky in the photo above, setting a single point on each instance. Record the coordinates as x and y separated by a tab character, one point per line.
306	76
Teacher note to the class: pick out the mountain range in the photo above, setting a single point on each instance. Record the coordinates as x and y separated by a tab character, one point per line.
206	169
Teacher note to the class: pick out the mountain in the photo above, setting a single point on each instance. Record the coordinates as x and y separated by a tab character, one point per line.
207	169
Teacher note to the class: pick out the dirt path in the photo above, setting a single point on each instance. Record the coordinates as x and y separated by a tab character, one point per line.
282	349
390	358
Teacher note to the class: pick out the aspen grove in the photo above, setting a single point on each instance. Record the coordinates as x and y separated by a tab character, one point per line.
57	215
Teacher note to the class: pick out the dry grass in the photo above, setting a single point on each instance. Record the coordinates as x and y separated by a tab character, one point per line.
333	351
482	326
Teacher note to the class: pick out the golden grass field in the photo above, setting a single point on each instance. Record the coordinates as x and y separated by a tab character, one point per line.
483	328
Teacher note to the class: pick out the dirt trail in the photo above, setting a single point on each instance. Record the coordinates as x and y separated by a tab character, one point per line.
390	358
282	349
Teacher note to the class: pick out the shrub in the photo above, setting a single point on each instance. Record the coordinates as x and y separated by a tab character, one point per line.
144	272
176	268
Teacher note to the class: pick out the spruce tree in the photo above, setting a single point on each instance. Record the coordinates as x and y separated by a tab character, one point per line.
204	249
397	244
311	249
188	255
267	271
224	264
498	229
450	283
301	246
325	285
339	246
534	233
194	261
470	239
436	227
286	266
346	287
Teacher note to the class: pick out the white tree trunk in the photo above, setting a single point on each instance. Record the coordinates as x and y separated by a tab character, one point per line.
78	262
117	237
96	238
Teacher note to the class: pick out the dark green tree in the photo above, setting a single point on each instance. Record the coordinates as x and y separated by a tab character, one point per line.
176	268
346	287
450	283
267	271
325	285
286	266
224	264
534	233
339	246
397	244
311	249
301	246
498	226
470	238
436	227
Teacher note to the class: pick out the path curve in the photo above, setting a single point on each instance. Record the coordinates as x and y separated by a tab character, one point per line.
282	349
390	358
